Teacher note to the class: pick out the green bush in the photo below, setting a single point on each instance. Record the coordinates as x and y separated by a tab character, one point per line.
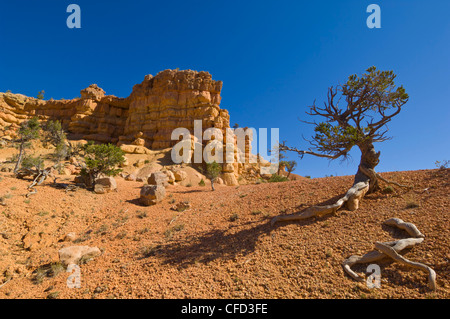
30	162
213	170
277	178
102	159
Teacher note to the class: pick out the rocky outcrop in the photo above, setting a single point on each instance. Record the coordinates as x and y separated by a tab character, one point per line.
141	122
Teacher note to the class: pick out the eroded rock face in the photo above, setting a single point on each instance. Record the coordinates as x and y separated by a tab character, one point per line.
141	122
147	117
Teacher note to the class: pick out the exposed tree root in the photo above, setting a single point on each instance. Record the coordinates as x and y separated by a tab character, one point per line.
393	183
392	249
388	251
350	199
366	181
375	255
40	176
409	227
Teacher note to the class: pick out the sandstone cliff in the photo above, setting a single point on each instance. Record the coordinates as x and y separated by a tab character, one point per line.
146	118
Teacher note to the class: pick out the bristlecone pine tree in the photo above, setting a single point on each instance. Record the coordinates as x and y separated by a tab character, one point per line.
355	114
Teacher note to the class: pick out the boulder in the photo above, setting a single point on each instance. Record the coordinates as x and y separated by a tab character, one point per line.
73	254
105	185
158	178
170	177
130	177
179	175
152	194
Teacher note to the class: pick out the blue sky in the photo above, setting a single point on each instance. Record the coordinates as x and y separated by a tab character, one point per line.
274	57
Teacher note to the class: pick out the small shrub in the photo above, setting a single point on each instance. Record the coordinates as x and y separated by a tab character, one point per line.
388	190
53	295
142	215
213	170
234	217
442	165
275	178
40	95
47	271
169	232
121	235
150	251
411	204
202	183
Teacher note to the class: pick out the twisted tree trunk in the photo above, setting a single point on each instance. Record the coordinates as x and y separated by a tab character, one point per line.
366	181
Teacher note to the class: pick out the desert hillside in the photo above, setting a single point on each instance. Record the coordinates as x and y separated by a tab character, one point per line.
220	244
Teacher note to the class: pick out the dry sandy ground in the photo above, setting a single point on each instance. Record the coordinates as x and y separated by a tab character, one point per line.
223	246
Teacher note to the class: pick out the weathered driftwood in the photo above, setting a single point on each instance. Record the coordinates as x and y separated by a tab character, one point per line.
409	227
40	176
391	250
388	251
375	255
351	199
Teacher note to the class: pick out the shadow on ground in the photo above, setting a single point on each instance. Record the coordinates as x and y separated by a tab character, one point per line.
224	244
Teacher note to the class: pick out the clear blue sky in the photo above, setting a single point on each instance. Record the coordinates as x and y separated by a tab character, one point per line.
274	57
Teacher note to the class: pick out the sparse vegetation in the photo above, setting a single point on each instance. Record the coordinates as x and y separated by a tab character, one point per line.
275	178
442	165
289	166
28	131
101	159
40	95
141	214
411	204
388	190
213	170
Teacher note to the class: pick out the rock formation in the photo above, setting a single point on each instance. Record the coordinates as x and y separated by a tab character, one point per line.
142	121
